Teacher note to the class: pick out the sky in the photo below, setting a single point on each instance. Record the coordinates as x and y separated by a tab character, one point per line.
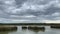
29	11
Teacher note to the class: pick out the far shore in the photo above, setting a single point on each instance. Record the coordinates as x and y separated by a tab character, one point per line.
30	24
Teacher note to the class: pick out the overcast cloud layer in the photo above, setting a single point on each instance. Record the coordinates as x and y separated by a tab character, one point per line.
29	10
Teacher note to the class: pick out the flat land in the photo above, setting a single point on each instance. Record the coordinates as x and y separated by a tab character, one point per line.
48	24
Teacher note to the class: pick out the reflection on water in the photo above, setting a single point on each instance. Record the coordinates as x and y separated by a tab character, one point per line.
6	32
47	30
36	30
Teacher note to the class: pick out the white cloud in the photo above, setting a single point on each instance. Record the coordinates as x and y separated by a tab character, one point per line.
33	6
9	2
57	18
19	21
25	16
52	21
28	5
57	4
10	7
29	16
56	14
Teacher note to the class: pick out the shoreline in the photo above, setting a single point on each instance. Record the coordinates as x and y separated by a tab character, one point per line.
48	24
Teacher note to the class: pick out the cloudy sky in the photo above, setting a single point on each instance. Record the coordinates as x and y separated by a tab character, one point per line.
15	11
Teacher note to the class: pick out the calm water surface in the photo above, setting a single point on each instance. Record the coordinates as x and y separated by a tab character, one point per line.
48	30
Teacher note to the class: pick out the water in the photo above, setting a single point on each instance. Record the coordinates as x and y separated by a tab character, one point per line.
47	30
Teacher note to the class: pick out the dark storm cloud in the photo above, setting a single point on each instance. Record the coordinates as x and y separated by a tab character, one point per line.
20	2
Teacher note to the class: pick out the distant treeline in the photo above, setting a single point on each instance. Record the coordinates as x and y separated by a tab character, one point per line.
29	23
